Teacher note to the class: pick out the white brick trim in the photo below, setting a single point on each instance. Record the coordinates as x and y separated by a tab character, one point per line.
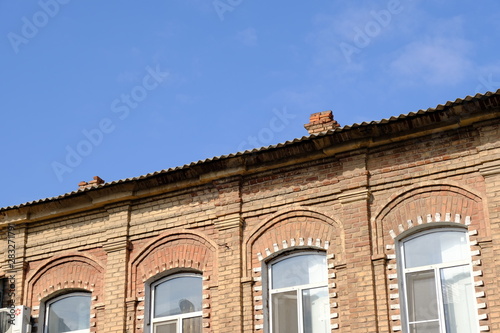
475	261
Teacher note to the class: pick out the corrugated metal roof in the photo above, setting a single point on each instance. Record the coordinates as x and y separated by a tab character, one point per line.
439	107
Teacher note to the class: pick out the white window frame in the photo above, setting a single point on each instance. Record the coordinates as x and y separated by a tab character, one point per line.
49	303
178	318
436	268
298	289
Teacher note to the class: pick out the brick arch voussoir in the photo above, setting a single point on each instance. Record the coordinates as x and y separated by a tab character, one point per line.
67	279
419	193
326	224
389	232
432	186
182	240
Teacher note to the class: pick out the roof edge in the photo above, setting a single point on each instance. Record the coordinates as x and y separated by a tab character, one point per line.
346	134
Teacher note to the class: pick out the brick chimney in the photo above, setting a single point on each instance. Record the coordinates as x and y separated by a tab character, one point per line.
321	122
96	181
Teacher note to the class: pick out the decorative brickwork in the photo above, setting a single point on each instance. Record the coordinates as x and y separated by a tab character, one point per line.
63	274
173	252
350	193
299	229
438	200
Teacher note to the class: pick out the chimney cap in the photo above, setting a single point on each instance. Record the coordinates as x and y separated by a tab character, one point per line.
321	122
94	182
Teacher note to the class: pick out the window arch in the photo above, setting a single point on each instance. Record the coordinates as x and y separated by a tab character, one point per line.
437	283
298	299
68	313
176	304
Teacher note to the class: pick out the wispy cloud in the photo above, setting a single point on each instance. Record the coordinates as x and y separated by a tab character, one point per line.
438	54
247	37
342	38
434	61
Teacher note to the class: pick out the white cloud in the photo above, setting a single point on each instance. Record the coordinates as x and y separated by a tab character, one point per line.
247	37
342	38
434	61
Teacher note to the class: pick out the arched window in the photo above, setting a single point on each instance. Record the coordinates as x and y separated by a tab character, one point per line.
175	305
298	294
69	313
437	282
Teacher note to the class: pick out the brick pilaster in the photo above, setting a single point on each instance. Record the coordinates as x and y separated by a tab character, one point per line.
489	152
20	266
228	306
491	249
115	279
355	212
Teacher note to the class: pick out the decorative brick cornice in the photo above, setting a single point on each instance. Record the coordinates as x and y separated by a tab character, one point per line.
19	266
354	196
228	222
490	169
15	217
113	245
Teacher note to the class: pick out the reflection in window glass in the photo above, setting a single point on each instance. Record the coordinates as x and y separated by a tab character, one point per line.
69	313
435	248
4	321
316	309
285	318
177	304
431	327
166	327
191	325
421	294
299	294
178	295
299	270
438	289
458	301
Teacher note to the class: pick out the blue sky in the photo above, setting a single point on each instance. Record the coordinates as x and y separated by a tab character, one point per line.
123	88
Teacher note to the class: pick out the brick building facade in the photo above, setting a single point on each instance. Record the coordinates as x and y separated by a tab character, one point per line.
324	227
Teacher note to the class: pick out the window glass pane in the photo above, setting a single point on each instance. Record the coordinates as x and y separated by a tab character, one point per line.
284	312
436	248
299	270
459	302
68	314
191	325
178	295
169	327
4	321
316	310
421	296
429	327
